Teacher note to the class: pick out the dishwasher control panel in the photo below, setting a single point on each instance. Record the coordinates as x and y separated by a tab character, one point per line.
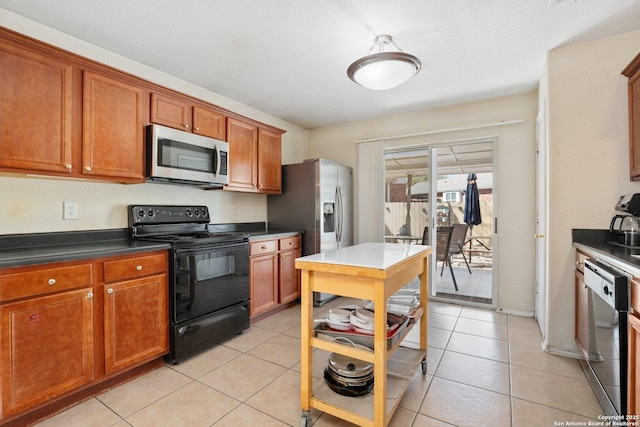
609	283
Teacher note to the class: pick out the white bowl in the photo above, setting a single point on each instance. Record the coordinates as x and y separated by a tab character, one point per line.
365	315
362	324
340	326
339	315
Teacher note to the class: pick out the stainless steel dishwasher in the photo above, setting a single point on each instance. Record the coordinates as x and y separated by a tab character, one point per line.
609	308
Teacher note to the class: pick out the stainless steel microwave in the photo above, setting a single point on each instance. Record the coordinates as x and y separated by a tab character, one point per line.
175	156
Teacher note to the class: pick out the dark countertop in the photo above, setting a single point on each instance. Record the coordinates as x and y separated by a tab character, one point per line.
18	250
600	243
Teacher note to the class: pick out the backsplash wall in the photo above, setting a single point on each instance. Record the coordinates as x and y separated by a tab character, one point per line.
34	204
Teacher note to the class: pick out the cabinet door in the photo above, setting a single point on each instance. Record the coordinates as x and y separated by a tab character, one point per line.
135	322
634	125
264	283
209	123
633	392
170	112
269	161
113	140
35	111
47	347
289	277
243	151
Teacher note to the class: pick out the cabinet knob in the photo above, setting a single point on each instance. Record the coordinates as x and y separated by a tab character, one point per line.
186	126
88	168
263	247
139	267
51	282
109	291
68	166
90	295
538	236
196	128
579	264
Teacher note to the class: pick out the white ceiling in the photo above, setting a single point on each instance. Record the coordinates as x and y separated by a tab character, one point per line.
289	58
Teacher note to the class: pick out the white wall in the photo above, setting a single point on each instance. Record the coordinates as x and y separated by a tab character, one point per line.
34	204
588	138
515	181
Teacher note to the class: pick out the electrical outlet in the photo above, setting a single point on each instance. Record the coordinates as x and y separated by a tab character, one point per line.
69	210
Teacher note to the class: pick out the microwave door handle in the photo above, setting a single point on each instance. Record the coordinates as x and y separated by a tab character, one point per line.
216	150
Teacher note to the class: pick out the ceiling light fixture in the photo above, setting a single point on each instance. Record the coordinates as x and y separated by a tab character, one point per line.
383	70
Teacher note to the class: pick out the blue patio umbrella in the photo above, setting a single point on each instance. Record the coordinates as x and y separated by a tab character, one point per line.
472	202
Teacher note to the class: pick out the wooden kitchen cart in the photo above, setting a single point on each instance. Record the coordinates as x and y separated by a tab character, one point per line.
370	271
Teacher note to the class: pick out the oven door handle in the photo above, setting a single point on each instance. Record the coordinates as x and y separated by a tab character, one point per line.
209	248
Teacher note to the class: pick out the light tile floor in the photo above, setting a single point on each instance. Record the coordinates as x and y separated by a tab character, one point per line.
484	368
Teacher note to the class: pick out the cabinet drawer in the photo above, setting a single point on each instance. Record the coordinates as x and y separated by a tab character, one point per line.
263	247
289	243
635	295
44	281
130	268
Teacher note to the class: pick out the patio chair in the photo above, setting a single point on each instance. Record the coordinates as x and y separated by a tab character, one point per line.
443	241
458	235
425	236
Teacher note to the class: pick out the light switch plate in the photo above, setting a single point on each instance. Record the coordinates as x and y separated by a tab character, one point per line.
70	210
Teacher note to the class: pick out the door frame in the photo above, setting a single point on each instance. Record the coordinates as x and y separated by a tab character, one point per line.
432	147
541	283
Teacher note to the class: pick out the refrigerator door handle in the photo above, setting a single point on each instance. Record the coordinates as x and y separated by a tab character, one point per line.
338	215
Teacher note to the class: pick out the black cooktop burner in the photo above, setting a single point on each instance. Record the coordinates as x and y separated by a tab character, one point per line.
177	225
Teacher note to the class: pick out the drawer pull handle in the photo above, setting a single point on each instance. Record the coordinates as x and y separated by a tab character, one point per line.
109	291
51	282
139	267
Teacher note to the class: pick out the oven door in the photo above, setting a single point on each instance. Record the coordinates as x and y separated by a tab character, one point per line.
208	279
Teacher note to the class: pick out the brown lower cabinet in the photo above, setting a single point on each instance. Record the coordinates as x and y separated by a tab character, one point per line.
274	278
70	325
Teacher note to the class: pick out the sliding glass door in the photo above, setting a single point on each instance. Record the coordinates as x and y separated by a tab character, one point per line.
444	193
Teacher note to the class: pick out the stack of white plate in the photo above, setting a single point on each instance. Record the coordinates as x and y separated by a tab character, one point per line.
362	321
338	319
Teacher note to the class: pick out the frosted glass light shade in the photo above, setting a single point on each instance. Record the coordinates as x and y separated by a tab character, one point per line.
384	70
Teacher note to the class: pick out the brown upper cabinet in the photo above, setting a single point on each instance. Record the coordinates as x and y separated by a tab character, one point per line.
632	71
113	123
65	115
57	119
255	162
35	111
181	114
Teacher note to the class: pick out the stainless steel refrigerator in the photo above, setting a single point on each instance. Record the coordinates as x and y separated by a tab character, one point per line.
317	197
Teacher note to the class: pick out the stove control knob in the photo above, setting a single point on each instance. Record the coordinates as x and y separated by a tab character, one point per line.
196	212
141	213
606	290
204	211
188	212
151	213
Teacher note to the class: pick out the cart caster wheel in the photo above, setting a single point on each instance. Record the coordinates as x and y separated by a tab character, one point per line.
423	366
306	419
